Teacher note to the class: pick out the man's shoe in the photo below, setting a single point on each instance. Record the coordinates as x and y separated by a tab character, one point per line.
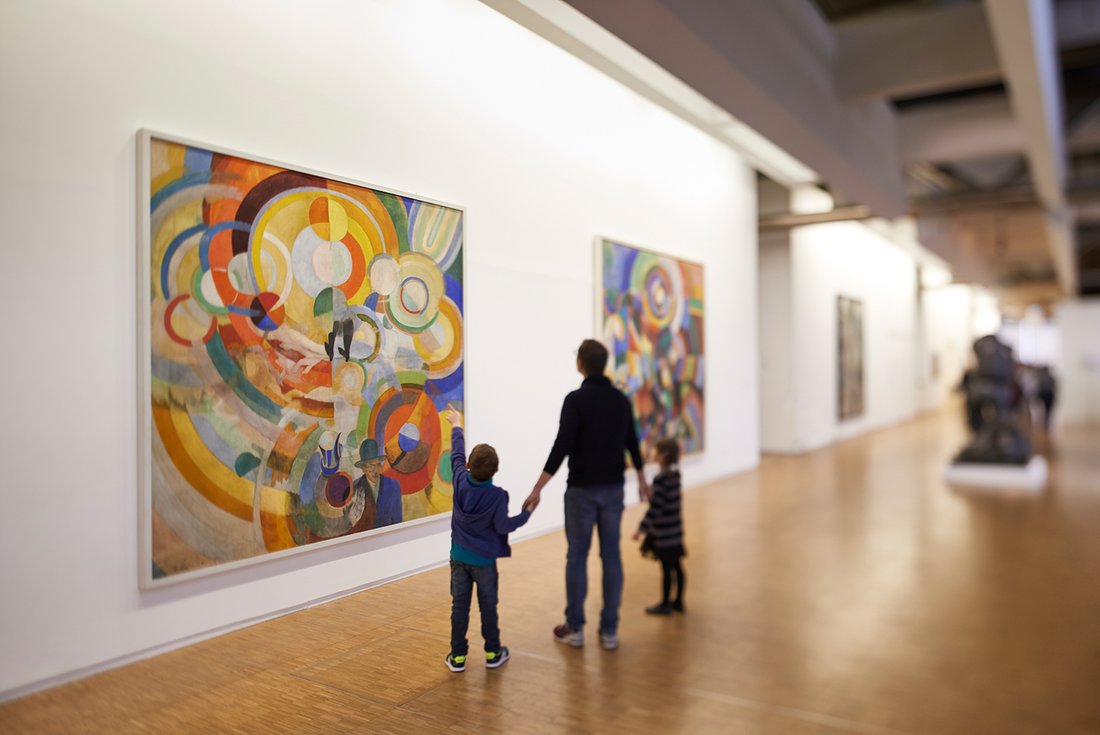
494	659
564	634
663	609
609	641
678	606
457	664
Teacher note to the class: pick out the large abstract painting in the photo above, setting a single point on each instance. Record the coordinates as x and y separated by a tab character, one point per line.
849	357
651	319
300	335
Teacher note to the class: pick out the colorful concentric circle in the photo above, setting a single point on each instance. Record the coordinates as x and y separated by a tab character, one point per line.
414	304
406	424
440	345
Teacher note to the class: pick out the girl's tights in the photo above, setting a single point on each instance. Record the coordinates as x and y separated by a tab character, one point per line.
670	568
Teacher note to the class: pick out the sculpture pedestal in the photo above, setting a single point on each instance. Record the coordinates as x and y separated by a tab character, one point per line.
1031	476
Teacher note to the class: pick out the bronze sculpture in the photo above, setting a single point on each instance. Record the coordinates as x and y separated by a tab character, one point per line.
991	392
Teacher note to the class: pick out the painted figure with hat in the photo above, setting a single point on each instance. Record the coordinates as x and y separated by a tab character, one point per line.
383	494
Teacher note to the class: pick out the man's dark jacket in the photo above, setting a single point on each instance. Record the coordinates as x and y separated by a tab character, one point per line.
596	429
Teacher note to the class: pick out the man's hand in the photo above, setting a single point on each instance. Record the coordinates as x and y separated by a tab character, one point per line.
452	416
532	501
643	487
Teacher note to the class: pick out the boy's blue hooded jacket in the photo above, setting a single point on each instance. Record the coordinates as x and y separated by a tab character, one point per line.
479	522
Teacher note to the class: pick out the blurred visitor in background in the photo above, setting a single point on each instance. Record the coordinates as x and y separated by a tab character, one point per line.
1046	390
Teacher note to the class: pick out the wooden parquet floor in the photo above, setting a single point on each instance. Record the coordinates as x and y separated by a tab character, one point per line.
844	591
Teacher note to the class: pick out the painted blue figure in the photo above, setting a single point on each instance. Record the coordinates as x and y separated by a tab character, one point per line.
383	494
330	451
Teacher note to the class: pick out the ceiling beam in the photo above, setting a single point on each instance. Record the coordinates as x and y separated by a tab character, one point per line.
968	128
937	179
943	203
916	52
1024	34
768	66
926	50
1085	201
574	32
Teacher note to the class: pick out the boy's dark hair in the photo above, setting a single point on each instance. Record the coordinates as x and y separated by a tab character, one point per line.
483	462
670	449
593	357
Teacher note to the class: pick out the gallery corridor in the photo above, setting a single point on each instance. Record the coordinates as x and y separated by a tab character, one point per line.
844	591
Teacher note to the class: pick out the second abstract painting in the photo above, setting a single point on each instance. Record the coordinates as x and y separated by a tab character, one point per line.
650	316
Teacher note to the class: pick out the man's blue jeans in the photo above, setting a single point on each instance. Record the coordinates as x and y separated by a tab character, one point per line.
600	506
463	578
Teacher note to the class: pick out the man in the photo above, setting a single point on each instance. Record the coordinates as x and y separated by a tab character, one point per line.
382	494
596	429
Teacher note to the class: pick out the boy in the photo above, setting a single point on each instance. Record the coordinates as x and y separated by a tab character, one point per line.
479	535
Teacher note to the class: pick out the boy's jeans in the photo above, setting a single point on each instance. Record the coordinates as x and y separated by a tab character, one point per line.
600	506
463	577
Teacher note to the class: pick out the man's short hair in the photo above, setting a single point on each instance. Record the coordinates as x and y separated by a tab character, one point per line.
483	462
670	449
593	357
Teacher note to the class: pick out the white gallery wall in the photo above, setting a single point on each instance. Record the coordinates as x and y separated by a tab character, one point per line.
948	326
778	412
444	99
1034	339
801	275
1078	371
851	260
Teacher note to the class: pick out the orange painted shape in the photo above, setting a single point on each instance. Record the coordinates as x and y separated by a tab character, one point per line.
318	376
422	414
244	329
320	409
275	528
358	268
373	205
318	211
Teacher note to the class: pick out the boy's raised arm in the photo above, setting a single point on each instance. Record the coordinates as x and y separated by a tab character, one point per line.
458	444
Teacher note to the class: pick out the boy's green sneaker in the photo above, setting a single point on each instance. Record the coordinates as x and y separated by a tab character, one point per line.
455	663
494	659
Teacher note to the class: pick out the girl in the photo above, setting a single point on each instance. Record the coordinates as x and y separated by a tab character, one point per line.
663	527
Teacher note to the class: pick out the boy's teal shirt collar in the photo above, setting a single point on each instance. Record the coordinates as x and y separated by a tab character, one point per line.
486	483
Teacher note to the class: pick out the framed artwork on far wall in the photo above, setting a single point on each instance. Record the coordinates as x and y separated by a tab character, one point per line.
849	357
650	315
299	334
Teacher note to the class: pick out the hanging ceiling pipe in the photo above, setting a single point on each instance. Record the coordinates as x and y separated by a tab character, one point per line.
787	220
